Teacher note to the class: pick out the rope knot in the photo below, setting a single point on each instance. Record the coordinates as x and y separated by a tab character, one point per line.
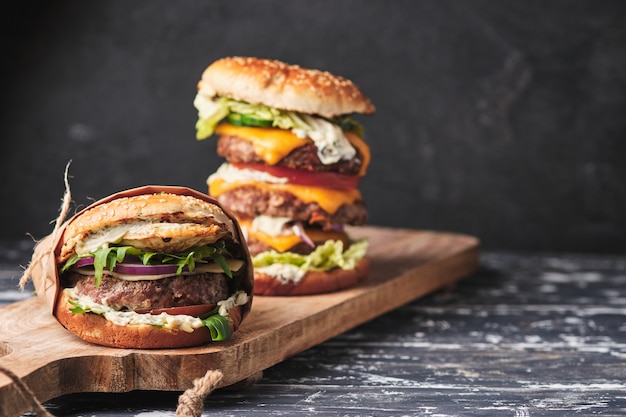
191	402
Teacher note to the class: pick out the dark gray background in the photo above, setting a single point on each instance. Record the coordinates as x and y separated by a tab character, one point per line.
500	119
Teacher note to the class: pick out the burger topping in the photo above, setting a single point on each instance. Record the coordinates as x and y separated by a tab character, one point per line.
249	200
211	111
282	233
108	257
331	143
147	296
329	138
216	321
231	173
140	272
272	145
329	199
301	177
289	266
238	150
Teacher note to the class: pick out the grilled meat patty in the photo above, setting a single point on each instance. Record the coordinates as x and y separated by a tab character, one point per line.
177	291
305	157
250	201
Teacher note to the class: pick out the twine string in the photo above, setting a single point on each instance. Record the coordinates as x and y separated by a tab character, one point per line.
40	258
27	394
191	402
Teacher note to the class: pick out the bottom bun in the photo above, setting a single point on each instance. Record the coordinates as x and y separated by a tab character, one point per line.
313	282
96	329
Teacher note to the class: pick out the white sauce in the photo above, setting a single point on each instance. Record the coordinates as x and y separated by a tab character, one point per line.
273	226
230	174
283	272
180	321
238	299
205	105
332	145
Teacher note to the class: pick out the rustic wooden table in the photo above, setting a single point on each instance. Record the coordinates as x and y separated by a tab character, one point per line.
526	335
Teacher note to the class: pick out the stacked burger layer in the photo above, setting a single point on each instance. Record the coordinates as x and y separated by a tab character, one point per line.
294	160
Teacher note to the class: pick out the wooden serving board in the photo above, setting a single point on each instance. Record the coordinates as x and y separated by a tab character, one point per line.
405	265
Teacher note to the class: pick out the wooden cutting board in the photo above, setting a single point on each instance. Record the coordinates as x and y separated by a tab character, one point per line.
405	265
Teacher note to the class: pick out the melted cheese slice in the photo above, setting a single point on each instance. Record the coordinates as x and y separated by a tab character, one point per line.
284	242
329	199
363	149
273	144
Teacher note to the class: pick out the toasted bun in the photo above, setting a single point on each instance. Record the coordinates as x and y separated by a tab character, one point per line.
288	87
163	222
314	282
96	329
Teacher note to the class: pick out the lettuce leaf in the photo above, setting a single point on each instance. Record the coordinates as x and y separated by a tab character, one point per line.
325	257
218	326
216	110
107	258
205	126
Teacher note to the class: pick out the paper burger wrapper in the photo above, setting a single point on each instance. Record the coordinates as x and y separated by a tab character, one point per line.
44	271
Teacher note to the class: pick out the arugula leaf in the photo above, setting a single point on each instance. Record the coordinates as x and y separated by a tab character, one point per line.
78	309
221	261
218	326
107	258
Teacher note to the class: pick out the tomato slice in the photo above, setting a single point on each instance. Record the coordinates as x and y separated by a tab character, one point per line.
195	310
322	179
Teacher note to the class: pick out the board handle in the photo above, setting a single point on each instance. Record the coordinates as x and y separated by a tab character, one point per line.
27	394
190	403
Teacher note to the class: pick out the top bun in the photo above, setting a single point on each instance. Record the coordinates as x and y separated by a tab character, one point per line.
158	221
283	86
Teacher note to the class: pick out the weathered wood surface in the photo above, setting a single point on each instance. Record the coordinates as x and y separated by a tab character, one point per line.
405	265
526	335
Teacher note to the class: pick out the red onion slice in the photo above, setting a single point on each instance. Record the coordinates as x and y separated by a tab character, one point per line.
299	231
134	268
84	262
194	310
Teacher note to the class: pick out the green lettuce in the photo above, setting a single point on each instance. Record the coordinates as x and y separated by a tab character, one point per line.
107	258
259	114
328	256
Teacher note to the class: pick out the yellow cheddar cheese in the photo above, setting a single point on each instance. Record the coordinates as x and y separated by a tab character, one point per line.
284	242
329	199
273	144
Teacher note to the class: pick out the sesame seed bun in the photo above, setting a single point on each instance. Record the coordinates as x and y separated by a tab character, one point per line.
283	86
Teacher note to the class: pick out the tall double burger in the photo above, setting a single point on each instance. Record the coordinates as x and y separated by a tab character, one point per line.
294	158
153	267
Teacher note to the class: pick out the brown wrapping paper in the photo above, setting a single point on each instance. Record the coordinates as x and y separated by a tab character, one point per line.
44	272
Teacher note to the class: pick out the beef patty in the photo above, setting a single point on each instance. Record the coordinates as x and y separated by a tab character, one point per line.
250	201
305	157
178	291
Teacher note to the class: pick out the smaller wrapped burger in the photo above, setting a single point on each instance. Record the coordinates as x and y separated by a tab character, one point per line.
151	267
